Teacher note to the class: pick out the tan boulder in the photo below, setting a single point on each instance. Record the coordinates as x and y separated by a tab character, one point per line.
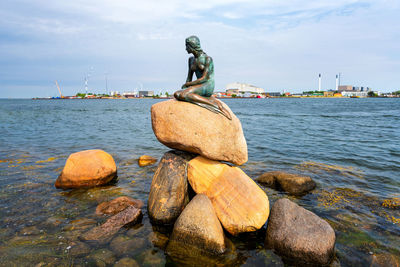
240	204
188	127
197	228
146	160
87	169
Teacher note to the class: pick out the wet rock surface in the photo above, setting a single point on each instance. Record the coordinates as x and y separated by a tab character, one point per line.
87	169
146	160
120	245
106	231
184	126
240	204
199	227
299	235
169	188
291	183
117	205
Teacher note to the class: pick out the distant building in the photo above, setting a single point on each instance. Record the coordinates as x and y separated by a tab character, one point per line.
146	93
243	88
130	94
351	88
272	93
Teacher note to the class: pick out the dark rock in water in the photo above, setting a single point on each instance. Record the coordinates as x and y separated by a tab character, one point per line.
79	249
123	244
105	231
126	262
102	257
291	183
198	227
120	245
299	235
169	188
384	259
117	205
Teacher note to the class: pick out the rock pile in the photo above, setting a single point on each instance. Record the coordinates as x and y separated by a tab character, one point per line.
225	194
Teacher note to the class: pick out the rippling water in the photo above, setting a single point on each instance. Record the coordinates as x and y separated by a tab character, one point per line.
350	147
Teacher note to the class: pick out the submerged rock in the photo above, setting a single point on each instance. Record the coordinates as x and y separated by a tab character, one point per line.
102	257
126	262
169	189
87	169
240	204
123	244
291	183
299	235
188	127
198	227
117	205
146	160
79	249
105	231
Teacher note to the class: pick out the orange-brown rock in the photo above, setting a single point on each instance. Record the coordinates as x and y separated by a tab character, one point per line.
291	183
188	127
87	169
197	228
146	160
240	204
117	205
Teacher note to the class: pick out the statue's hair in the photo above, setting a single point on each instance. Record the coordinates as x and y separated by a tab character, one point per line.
194	42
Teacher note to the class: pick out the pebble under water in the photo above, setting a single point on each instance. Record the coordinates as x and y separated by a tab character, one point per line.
350	147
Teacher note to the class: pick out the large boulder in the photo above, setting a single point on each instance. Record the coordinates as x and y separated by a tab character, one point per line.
299	235
291	183
240	204
87	169
169	189
188	127
197	228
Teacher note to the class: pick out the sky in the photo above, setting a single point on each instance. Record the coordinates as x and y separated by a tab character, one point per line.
140	45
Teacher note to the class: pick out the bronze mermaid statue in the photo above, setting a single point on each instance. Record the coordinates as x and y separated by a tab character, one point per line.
200	91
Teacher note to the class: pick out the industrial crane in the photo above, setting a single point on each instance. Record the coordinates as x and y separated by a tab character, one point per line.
58	87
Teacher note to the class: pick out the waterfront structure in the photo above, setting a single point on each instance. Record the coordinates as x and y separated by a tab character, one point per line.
243	89
146	93
273	93
337	83
130	94
319	82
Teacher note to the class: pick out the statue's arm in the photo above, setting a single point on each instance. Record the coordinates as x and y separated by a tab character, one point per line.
204	78
190	71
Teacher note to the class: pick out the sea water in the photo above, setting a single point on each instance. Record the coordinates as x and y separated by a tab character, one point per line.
349	147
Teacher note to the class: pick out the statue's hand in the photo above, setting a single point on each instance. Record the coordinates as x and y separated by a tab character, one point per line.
185	86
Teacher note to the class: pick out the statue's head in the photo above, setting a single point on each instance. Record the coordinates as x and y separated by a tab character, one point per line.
193	44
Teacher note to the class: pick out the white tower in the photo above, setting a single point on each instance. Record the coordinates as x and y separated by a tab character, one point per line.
337	83
319	82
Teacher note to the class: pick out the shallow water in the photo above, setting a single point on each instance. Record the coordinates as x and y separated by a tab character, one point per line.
350	147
